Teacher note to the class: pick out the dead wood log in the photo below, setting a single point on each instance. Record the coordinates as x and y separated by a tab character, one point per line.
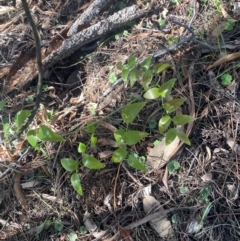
21	74
88	15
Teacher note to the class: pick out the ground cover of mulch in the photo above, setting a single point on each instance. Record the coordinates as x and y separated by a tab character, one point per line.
208	178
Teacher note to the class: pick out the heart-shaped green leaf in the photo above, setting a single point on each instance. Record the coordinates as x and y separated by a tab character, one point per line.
158	68
133	137
146	63
75	181
131	62
164	123
118	136
173	167
119	155
166	88
147	79
69	164
125	74
133	76
91	162
90	127
183	137
173	105
81	147
171	135
93	140
2	104
136	163
131	111
119	65
152	93
32	139
46	134
182	119
20	117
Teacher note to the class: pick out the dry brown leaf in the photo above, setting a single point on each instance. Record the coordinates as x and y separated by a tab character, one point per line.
108	126
207	177
141	35
165	178
107	142
218	30
52	198
6	9
224	60
125	234
209	154
18	191
105	154
161	153
161	224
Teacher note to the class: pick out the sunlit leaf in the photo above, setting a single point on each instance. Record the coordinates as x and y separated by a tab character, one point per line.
131	62
147	79
46	134
69	164
20	117
182	119
152	93
173	105
118	136
136	163
6	130
183	137
164	123
2	104
131	111
72	236
171	135
75	181
32	139
91	162
81	147
93	140
133	76
119	155
166	88
133	137
125	74
158	68
146	63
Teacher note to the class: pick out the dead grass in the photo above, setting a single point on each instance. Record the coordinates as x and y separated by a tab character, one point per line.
209	167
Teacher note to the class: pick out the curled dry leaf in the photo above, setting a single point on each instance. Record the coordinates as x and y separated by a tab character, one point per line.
232	144
6	9
161	153
224	60
207	177
209	155
92	227
233	191
161	224
52	198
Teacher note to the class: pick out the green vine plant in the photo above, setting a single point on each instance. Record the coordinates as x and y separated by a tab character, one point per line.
124	138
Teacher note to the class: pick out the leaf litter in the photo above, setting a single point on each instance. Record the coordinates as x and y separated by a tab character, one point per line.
219	168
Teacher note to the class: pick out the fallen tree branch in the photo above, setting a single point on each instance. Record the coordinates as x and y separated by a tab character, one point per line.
92	33
66	46
87	15
40	72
